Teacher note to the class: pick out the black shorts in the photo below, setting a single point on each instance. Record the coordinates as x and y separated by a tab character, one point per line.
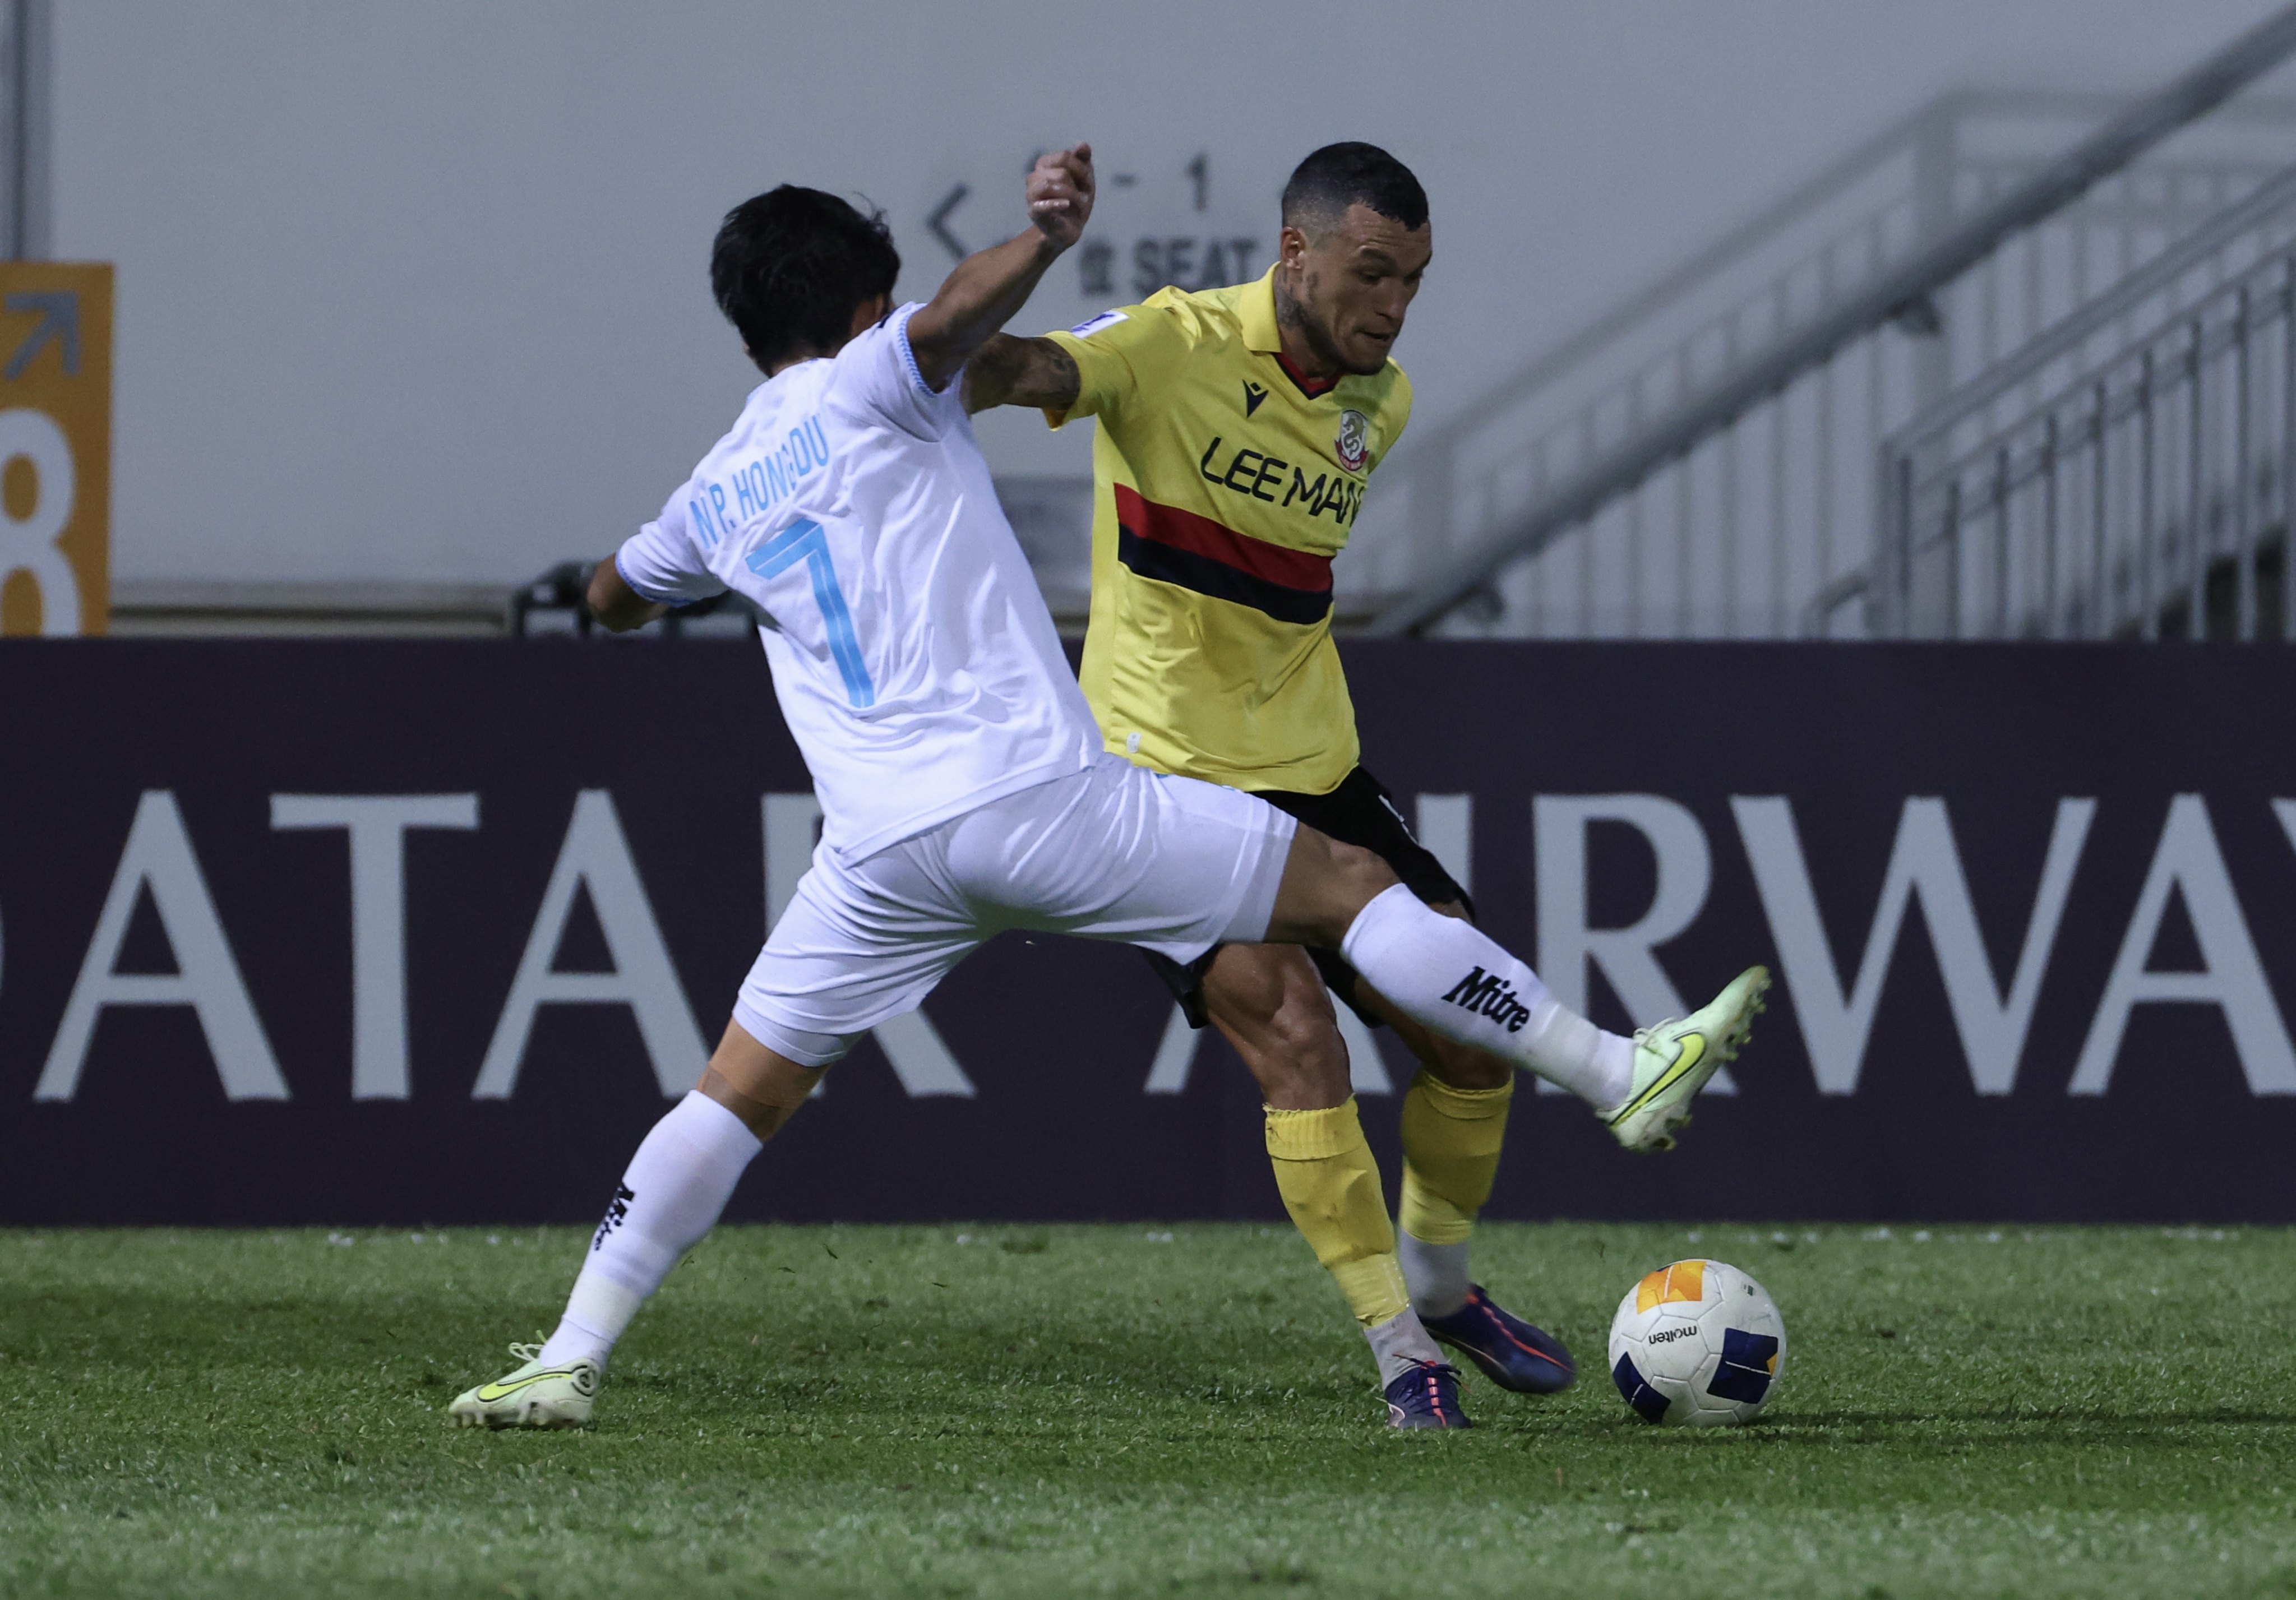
1359	812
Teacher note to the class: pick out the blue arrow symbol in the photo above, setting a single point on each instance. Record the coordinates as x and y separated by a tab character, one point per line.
59	310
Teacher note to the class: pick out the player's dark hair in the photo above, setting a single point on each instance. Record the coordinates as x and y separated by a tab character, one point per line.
1339	176
790	265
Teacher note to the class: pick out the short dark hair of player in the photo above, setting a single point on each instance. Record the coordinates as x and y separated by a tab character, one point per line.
1339	176
791	264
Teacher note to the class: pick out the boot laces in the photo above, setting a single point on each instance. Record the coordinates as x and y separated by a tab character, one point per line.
1645	1036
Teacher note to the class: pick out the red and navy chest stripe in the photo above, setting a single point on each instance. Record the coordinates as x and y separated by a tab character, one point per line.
1314	389
1180	547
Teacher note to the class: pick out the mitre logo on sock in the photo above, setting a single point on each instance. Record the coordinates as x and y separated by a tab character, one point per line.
616	1214
1481	991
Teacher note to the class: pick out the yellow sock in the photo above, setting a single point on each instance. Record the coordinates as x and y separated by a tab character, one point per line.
1451	1140
1330	1185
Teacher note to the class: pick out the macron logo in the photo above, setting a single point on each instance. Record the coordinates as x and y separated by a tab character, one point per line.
1478	991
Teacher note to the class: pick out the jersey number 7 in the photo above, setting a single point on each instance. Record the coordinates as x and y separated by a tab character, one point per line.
804	541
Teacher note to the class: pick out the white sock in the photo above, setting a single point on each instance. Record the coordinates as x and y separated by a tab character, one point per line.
1435	1274
1597	1067
1400	1344
1448	976
677	1184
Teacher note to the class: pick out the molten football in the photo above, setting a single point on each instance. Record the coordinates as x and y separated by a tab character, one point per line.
1698	1343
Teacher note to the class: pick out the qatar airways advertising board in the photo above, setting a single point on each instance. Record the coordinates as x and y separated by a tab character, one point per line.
425	932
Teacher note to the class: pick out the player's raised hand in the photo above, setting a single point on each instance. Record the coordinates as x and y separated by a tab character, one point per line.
987	287
1060	193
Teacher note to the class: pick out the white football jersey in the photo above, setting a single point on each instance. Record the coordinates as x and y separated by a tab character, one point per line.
912	654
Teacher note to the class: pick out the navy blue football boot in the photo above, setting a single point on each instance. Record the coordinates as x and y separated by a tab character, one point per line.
1426	1397
1511	1352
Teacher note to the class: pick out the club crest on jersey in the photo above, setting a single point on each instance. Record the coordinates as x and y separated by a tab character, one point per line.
1354	440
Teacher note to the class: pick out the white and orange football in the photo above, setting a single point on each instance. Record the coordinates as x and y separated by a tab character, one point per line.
1697	1344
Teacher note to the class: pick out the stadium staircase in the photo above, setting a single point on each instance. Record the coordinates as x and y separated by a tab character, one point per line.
1961	385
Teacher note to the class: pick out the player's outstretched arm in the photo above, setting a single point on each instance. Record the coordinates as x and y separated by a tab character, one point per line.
1021	372
984	291
617	607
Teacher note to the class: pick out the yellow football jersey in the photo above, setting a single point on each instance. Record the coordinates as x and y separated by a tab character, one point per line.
1224	485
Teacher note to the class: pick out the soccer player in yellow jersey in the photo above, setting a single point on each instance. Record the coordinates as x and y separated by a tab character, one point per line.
1238	429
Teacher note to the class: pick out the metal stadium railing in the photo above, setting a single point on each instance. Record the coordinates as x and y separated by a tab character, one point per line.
1702	463
2127	473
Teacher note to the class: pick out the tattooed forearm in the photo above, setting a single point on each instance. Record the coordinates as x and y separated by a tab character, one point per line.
1020	371
1057	383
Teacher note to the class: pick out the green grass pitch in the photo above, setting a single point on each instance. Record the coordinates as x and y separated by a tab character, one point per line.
1120	1410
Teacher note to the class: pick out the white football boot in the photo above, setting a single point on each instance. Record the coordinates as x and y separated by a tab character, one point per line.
534	1396
1674	1059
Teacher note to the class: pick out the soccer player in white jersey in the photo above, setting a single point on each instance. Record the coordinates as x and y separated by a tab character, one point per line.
962	784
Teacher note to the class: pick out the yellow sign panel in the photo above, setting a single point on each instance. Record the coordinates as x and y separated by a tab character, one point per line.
55	447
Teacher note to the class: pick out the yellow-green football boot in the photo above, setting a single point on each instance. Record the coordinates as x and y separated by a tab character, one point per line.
1674	1059
534	1396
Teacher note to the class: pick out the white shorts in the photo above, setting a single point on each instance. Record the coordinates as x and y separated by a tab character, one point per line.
1114	851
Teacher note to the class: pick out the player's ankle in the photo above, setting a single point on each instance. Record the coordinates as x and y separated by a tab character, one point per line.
1400	1344
1571	1052
573	1342
1435	1274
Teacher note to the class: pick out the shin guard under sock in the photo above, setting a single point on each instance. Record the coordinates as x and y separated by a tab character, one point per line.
677	1184
1330	1184
1451	1140
1449	976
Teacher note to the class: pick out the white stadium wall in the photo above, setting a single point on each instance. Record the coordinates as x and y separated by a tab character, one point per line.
415	293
